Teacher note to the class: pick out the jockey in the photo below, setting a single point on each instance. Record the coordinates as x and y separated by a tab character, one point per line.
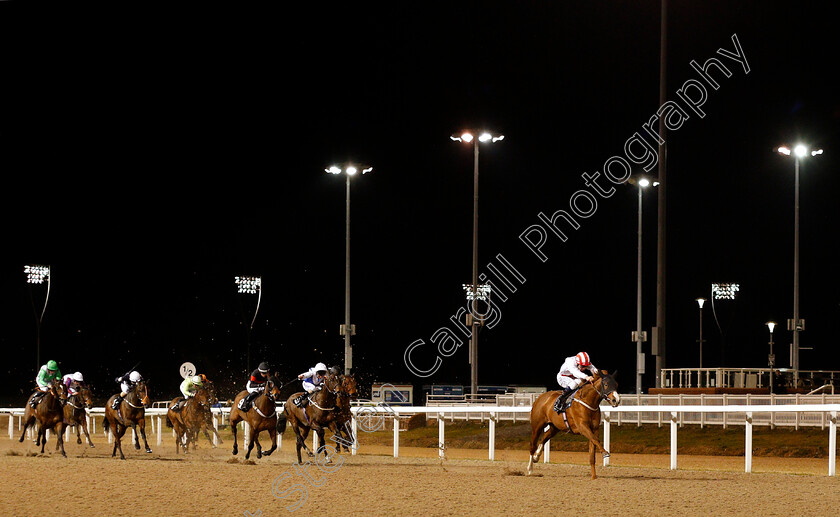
572	374
127	383
255	386
72	381
46	375
189	387
312	382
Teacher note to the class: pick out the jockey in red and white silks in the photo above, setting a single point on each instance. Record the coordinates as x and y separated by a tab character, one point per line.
575	370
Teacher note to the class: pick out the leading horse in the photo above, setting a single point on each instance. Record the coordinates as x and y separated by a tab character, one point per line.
582	417
130	413
49	413
261	416
342	416
75	413
316	414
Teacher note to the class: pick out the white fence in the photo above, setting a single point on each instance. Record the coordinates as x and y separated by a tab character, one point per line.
826	412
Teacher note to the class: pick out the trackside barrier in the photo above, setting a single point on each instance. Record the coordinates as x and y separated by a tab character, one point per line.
672	411
829	411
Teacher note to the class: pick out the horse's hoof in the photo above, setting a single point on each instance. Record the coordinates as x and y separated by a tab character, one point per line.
148	451
92	446
137	447
309	453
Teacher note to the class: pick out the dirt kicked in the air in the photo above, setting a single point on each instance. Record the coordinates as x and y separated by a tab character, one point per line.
211	482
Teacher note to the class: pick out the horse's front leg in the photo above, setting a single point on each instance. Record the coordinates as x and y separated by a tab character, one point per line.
84	427
272	433
143	434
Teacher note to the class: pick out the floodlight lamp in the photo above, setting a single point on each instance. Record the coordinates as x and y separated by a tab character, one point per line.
700	302
333	170
467	137
725	291
365	171
36	274
800	150
351	170
818	151
644	182
497	138
771	325
485	137
784	150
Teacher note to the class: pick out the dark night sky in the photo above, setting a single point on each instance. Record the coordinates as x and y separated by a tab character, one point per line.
151	157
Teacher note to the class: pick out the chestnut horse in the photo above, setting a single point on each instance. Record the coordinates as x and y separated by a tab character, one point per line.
130	413
317	415
49	413
582	417
74	411
261	416
192	418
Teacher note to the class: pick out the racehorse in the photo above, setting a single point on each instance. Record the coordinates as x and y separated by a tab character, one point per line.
192	418
317	414
341	416
130	412
261	416
49	413
74	411
582	417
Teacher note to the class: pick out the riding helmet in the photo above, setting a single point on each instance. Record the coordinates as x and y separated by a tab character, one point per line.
263	367
52	365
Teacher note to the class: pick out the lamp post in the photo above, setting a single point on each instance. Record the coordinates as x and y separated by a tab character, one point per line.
700	302
796	325
468	137
347	329
36	275
639	336
771	359
249	285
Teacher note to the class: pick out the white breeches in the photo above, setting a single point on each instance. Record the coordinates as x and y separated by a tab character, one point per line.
568	382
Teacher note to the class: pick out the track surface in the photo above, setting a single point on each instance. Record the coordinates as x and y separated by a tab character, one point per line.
212	482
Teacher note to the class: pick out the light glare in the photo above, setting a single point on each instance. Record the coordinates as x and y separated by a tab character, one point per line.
800	150
784	150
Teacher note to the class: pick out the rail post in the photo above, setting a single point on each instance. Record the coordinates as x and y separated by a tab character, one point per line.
673	440
606	436
832	444
441	442
748	443
492	437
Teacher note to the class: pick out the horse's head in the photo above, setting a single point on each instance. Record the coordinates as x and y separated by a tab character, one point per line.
85	395
272	388
59	391
333	383
348	386
607	387
142	390
208	391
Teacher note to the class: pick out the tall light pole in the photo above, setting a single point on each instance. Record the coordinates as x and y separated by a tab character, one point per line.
700	302
37	275
640	336
468	137
771	359
249	285
796	325
347	329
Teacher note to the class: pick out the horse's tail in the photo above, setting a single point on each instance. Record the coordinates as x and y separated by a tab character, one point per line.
282	419
105	425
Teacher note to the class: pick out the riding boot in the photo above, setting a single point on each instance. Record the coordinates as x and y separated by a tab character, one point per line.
561	400
299	401
117	402
245	403
36	399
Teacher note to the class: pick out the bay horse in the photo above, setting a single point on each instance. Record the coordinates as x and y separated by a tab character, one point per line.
75	413
582	417
317	414
261	416
192	418
49	414
130	413
342	415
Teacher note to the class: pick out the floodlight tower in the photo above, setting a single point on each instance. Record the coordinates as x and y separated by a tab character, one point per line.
37	275
469	137
249	285
796	325
347	329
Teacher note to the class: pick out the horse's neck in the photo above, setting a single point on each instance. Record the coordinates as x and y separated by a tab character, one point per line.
590	393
